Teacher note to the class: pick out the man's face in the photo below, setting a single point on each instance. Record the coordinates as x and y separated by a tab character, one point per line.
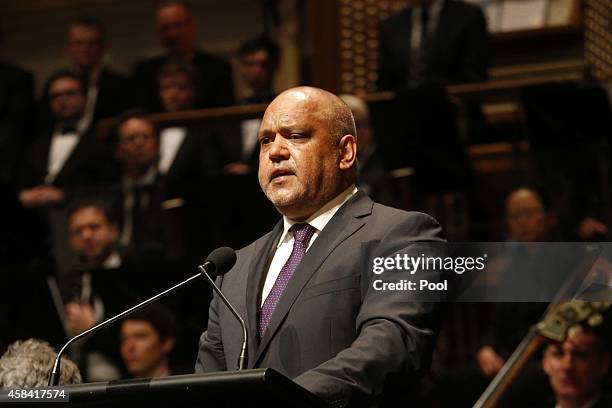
137	143
177	29
142	349
66	99
92	237
576	368
256	69
85	47
299	161
176	92
527	218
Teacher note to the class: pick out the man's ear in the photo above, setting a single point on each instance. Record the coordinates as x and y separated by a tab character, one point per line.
168	345
348	151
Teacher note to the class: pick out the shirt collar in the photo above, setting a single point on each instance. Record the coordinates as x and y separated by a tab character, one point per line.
148	179
321	217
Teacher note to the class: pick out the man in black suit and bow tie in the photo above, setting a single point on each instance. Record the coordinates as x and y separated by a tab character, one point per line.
68	155
299	287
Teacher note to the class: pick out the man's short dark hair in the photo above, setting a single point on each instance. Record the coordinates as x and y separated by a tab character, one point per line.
540	191
129	114
158	316
104	206
61	74
91	22
179	66
165	3
261	43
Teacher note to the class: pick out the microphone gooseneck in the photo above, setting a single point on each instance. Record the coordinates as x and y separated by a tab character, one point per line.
220	261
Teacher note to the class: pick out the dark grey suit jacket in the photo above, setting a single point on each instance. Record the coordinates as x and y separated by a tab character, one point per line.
341	344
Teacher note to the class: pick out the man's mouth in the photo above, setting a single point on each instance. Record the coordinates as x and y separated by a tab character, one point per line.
280	173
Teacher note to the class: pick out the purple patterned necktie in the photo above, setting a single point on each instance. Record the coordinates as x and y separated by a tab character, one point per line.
302	233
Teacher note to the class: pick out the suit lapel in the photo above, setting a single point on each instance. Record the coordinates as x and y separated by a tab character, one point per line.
260	262
342	225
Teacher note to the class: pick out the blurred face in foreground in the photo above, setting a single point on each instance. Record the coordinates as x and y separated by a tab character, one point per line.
304	162
576	368
143	351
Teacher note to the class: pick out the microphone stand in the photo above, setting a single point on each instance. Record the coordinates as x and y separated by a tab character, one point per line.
244	356
55	372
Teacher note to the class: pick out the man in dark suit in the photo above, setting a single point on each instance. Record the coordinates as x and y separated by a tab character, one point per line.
178	30
306	314
433	41
68	155
105	89
16	109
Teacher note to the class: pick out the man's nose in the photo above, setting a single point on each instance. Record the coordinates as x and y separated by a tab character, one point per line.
278	149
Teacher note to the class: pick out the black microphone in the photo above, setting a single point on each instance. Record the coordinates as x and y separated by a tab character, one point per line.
219	261
211	269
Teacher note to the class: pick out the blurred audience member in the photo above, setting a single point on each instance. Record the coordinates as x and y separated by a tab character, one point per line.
186	154
177	29
67	156
105	89
529	215
148	224
373	177
28	363
258	60
147	339
433	41
16	108
577	368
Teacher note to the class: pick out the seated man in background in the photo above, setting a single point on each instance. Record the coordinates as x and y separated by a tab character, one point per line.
177	28
105	89
187	154
99	286
258	60
147	339
373	177
68	155
578	367
149	226
28	364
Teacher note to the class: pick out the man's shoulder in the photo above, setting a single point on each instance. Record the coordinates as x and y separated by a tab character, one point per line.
390	217
210	63
149	64
462	8
397	19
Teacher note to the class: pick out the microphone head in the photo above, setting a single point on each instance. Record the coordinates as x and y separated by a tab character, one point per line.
220	261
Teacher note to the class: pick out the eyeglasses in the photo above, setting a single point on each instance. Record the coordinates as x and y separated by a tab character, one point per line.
69	93
127	139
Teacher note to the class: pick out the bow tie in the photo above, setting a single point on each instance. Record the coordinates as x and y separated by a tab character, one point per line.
68	129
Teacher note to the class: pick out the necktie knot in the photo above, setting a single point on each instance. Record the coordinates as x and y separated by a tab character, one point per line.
302	233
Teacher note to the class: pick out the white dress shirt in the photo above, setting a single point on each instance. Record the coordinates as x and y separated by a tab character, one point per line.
170	141
61	147
285	245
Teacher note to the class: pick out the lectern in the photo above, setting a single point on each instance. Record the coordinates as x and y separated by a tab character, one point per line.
262	387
